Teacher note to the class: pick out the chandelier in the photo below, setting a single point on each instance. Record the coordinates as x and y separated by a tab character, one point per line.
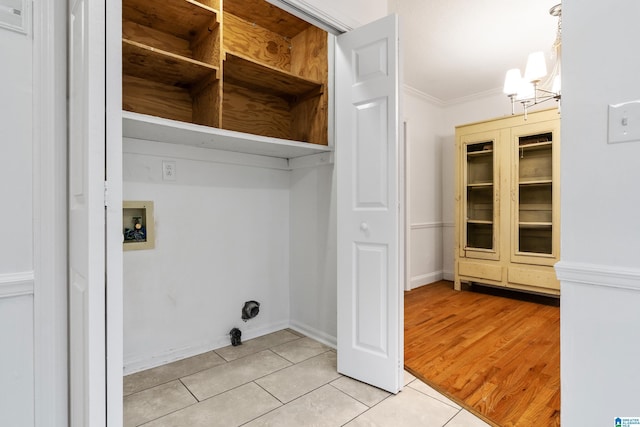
537	86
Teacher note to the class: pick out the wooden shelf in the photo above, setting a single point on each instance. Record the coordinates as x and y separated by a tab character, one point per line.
267	16
181	18
151	128
536	145
479	221
142	61
534	224
479	153
480	185
546	181
251	75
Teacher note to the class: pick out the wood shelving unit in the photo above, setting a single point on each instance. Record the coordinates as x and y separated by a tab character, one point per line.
238	65
507	226
171	59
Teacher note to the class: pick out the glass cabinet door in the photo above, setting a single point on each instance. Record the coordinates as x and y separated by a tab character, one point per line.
479	207
535	198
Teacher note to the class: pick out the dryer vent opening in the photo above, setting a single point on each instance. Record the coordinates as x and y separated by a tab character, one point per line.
250	310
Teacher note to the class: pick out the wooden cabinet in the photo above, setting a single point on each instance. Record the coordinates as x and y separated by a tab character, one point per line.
238	65
507	202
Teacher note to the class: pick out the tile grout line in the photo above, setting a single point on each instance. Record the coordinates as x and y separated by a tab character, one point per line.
268	412
451	419
432	397
189	390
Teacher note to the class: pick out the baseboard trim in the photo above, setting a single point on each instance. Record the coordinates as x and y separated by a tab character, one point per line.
16	284
598	275
425	279
314	333
140	362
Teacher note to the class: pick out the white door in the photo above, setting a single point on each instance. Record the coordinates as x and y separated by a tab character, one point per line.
87	213
369	165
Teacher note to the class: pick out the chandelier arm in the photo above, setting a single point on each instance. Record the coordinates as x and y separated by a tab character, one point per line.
540	94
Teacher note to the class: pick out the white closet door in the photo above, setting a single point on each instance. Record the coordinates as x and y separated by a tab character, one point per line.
370	217
87	212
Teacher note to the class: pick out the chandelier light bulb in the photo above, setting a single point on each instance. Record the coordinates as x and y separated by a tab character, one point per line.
512	81
526	90
536	67
557	82
537	86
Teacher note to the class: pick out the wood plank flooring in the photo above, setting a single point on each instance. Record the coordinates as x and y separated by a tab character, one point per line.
498	357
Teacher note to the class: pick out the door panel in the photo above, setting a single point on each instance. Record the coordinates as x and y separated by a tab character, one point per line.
371	155
370	218
370	299
86	213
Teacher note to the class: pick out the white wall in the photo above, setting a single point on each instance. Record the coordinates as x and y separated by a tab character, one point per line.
600	263
16	150
222	238
313	252
16	229
424	188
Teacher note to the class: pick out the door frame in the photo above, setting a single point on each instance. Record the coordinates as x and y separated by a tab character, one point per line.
113	222
49	31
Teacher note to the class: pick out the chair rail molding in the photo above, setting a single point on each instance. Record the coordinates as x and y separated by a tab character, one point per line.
422	225
16	284
598	275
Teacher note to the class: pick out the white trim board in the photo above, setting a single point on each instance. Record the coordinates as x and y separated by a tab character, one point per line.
140	362
151	128
598	275
16	284
314	333
330	21
426	279
49	99
422	225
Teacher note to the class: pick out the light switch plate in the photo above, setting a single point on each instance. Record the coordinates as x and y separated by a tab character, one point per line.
624	122
15	15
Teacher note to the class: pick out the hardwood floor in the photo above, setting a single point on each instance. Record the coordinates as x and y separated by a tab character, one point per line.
498	357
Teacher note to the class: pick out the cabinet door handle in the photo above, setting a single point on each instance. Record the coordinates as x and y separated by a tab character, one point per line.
364	226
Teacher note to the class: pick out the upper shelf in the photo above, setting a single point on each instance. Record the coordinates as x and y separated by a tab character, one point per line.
152	128
182	18
263	78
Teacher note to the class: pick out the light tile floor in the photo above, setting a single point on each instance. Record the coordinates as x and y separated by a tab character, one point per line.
281	379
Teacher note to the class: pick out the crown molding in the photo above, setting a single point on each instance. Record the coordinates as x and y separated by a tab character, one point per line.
410	90
473	97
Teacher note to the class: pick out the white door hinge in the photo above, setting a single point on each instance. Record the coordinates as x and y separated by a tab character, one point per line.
106	194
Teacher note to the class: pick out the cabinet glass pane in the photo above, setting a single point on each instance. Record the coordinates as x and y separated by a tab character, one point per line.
479	236
479	195
535	194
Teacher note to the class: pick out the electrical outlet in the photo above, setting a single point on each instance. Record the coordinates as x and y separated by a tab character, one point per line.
168	170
